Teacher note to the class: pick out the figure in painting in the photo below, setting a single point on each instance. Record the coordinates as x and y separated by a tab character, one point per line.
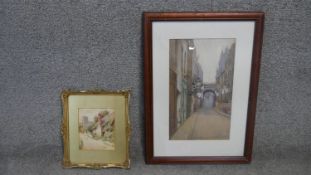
102	126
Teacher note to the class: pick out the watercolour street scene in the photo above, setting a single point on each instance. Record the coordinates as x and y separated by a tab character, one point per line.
96	129
200	88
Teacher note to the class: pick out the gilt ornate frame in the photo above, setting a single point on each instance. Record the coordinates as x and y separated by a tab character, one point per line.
123	97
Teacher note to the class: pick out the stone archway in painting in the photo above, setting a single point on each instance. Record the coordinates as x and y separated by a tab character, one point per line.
209	99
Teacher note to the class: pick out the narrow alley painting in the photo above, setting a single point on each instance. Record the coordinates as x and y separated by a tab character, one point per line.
200	88
96	129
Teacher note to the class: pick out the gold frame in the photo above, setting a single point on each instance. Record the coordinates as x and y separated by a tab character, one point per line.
65	130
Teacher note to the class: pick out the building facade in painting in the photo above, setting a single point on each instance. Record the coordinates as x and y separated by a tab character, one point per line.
185	75
224	78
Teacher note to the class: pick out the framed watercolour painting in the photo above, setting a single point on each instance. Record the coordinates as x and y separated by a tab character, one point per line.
201	80
96	129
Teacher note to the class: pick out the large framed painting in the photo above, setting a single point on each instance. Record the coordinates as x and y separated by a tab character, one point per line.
201	80
96	129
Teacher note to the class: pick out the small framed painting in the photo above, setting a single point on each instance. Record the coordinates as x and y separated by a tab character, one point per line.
96	129
201	80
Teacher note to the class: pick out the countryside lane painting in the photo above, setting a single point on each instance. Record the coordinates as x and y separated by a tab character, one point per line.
96	129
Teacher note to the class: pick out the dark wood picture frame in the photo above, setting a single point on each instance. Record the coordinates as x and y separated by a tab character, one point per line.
149	18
